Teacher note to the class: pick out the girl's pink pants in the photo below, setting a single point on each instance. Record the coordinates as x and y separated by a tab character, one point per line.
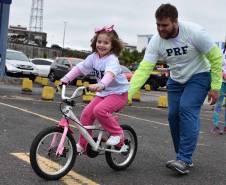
101	108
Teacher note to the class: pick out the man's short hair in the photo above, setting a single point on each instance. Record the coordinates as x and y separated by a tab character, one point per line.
166	10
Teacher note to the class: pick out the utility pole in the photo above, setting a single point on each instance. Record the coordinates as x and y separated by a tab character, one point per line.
65	24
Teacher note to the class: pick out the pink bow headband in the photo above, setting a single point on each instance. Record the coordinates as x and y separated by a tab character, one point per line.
105	28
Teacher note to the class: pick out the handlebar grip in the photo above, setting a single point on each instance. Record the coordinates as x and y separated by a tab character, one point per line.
85	90
58	89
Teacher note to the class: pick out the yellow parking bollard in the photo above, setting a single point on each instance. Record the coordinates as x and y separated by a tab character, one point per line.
48	93
88	96
136	97
86	84
45	81
79	83
56	83
27	85
147	87
38	79
163	102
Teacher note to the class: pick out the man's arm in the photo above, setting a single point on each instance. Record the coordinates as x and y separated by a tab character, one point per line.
139	78
215	58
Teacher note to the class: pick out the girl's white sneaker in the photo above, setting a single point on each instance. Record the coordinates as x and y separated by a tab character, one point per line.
113	140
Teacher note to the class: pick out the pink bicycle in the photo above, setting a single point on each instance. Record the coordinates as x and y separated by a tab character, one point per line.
53	151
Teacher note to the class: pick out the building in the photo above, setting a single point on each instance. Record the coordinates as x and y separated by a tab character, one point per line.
142	41
32	43
21	35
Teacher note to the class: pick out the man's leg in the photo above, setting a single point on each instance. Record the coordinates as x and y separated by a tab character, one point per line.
175	91
190	105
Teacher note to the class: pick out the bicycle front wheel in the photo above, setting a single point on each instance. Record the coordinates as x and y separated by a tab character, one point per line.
121	161
43	158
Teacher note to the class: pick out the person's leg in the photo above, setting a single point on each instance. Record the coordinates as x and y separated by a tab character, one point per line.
87	118
217	109
192	99
175	91
224	90
103	112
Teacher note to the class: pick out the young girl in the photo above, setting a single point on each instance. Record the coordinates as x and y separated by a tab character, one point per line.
216	114
111	87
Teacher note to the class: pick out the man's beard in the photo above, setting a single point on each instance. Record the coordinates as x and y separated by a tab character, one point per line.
168	35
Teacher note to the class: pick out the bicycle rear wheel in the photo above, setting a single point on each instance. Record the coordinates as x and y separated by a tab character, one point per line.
43	158
121	161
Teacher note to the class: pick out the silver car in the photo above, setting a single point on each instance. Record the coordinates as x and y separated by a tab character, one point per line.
18	64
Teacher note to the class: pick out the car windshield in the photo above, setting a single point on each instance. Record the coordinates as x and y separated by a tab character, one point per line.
10	55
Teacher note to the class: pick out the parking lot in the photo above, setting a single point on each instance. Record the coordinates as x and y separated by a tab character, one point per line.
23	115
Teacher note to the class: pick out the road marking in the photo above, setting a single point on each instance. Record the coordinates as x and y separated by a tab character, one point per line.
30	112
71	178
33	113
82	105
56	121
141	119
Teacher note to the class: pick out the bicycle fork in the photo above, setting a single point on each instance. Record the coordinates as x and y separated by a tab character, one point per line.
65	124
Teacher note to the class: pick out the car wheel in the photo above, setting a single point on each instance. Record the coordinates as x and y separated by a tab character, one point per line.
52	76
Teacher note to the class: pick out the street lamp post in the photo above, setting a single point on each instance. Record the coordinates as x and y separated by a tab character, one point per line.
65	24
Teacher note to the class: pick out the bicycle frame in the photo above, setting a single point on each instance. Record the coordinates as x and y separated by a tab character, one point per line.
64	122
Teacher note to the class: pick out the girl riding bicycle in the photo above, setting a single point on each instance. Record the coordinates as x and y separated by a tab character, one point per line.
111	86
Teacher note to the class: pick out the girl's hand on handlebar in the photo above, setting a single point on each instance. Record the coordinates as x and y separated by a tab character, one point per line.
62	82
96	87
59	86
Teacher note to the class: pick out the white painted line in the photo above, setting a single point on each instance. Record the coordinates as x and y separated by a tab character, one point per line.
56	121
141	119
82	105
71	178
30	112
33	113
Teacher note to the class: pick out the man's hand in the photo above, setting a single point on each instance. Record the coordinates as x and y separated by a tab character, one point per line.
96	87
213	96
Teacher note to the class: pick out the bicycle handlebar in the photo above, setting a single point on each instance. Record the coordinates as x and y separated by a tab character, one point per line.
75	93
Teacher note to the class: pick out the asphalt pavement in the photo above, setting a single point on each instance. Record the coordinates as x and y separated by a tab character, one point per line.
23	115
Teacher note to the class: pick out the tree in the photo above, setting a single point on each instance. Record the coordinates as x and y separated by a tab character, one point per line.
130	58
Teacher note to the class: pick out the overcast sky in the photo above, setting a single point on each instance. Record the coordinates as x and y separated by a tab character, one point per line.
130	17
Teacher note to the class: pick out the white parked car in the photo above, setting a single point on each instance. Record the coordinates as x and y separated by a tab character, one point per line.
17	64
42	65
